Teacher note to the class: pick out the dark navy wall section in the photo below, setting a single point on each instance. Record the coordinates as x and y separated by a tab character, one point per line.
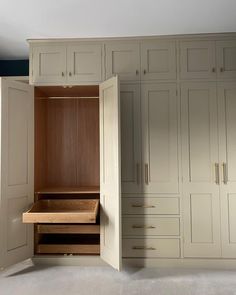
14	68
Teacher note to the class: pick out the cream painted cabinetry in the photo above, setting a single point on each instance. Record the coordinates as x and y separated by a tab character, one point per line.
62	63
208	59
158	60
200	171
48	64
197	60
123	59
209	175
160	138
131	161
227	166
157	113
226	59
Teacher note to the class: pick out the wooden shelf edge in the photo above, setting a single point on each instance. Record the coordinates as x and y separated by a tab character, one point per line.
67	229
69	190
67	249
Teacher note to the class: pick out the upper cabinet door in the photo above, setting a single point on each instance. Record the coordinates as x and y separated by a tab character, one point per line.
17	171
200	159
197	60
123	59
226	59
110	172
130	138
227	147
158	60
49	65
160	138
84	63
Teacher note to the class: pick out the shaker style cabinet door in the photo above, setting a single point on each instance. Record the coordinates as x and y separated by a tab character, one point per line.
110	175
17	171
123	59
158	60
200	169
197	60
84	63
227	148
49	65
226	59
130	138
160	138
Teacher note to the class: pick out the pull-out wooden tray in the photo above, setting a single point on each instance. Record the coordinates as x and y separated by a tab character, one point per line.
62	211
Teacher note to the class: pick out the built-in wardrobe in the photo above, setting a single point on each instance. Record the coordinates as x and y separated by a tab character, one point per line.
161	138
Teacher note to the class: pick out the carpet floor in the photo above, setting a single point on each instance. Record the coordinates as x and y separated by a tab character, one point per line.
74	280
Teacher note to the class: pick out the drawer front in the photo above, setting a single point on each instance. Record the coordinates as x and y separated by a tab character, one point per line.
150	206
150	226
151	248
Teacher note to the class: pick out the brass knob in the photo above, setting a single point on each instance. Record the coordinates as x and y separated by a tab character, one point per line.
70	74
221	69
137	72
144	72
213	70
62	74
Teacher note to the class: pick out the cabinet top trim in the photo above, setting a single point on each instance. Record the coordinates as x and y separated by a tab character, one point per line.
139	38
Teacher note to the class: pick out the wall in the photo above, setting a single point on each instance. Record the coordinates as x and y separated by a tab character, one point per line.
14	68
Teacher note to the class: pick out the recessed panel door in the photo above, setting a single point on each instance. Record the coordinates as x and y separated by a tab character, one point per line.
130	138
49	65
110	172
227	148
160	138
17	173
200	170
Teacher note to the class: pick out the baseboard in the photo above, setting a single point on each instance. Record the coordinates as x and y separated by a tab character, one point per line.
181	263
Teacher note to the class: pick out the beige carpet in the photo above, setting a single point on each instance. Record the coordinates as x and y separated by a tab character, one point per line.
73	280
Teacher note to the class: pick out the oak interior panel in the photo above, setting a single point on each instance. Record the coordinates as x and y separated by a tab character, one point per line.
67	137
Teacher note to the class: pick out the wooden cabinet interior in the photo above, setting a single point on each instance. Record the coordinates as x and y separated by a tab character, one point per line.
66	168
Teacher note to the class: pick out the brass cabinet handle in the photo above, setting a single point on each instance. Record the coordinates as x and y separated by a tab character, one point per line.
143	226
138	173
62	73
221	69
143	248
137	72
143	206
144	72
70	74
225	175
217	174
146	174
213	70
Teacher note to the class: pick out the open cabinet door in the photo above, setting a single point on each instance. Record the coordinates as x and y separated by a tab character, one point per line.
110	175
16	170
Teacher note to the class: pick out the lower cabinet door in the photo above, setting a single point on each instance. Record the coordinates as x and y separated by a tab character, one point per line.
151	248
227	147
200	160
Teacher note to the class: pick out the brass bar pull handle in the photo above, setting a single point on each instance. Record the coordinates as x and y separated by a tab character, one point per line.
144	226
143	206
146	174
143	248
138	173
62	73
217	174
225	176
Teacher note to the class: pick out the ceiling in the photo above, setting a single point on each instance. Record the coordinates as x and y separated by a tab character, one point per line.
20	20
